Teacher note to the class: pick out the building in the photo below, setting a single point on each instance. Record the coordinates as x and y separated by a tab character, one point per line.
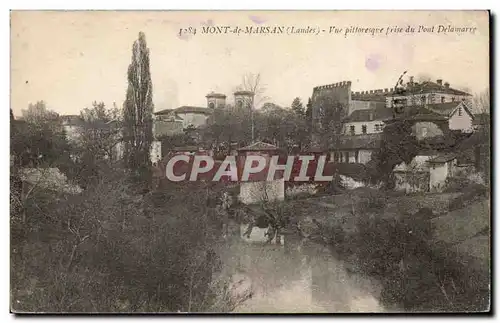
257	190
426	172
366	121
216	100
459	114
244	99
440	168
428	92
353	149
187	116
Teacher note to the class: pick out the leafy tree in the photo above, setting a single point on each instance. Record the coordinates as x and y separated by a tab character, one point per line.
138	110
95	148
39	114
39	138
398	145
297	107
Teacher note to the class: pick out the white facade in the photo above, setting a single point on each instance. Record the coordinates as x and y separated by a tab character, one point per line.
461	119
362	156
216	102
193	119
439	173
426	129
427	98
363	127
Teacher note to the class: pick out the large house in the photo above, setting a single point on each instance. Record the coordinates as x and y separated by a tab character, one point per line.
435	108
427	92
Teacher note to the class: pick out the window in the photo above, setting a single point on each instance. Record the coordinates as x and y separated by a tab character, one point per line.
356	156
211	105
424	132
453	99
363	129
442	99
460	111
352	130
377	127
432	98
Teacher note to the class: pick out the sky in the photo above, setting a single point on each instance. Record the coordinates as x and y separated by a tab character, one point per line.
70	59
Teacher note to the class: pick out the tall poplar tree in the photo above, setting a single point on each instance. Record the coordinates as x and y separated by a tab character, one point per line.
138	111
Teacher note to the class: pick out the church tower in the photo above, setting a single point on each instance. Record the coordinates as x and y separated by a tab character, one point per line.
216	100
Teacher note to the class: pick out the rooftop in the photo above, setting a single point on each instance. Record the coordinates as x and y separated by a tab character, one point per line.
185	109
215	95
243	93
379	113
259	146
445	109
442	158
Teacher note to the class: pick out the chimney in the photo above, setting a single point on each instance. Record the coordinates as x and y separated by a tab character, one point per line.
439	81
447	85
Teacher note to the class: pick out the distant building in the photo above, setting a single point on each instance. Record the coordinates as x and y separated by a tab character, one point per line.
366	121
216	100
243	99
260	190
424	93
189	116
426	172
353	149
72	125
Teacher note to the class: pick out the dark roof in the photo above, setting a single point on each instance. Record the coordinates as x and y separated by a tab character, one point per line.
185	109
243	93
215	95
431	87
163	112
368	141
191	109
379	113
375	96
442	158
445	109
419	113
259	145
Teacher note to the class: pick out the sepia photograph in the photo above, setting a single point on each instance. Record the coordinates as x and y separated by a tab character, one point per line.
249	162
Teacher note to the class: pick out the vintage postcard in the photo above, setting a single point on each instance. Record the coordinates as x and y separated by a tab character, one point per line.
250	162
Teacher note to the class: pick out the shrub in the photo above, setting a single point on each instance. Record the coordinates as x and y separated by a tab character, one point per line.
110	249
471	193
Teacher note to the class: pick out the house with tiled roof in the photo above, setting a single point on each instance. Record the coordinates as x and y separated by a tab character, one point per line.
355	148
366	121
423	93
